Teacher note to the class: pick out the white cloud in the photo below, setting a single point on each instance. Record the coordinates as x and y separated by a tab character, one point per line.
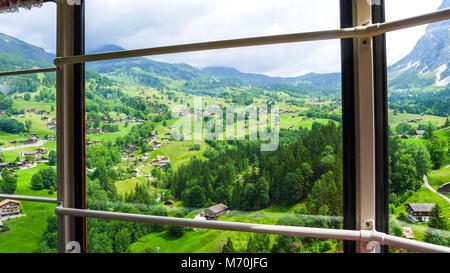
137	24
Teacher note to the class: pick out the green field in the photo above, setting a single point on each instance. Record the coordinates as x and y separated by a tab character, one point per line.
395	120
439	177
211	241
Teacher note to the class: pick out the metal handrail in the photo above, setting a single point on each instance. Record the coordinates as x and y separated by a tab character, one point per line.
338	234
354	32
27	71
29	198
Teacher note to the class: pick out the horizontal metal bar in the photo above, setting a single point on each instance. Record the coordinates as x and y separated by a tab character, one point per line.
29	198
28	71
355	32
338	234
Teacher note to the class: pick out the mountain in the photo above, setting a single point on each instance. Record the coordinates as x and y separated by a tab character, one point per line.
15	47
428	62
209	79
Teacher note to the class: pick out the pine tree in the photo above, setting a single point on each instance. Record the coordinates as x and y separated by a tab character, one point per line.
228	247
436	219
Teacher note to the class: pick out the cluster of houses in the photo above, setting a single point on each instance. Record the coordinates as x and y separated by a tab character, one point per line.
418	133
160	161
93	142
34	138
38	155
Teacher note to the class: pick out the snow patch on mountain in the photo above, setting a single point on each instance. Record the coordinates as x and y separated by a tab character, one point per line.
439	72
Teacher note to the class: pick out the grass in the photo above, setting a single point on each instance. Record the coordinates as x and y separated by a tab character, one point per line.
26	232
395	120
128	185
424	195
211	241
438	177
286	120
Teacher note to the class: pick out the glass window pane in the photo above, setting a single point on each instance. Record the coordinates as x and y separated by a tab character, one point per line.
419	127
157	127
27	129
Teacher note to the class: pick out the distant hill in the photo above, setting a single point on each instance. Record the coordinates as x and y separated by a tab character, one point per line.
13	46
427	65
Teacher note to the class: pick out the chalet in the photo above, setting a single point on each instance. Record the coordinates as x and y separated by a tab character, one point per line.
44	118
32	110
30	140
152	134
21	163
163	159
95	131
29	153
9	207
51	124
169	202
165	139
42	150
149	177
404	137
408	233
12	142
445	189
419	212
131	147
215	211
155	162
41	112
89	143
420	132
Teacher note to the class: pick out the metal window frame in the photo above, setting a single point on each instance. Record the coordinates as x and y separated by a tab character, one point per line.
359	71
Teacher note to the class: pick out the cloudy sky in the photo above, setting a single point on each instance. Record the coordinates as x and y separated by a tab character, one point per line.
149	23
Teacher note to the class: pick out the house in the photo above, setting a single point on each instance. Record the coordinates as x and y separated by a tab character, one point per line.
163	159
408	233
215	211
29	153
42	150
419	212
169	202
155	162
420	132
445	188
404	137
95	131
9	207
30	140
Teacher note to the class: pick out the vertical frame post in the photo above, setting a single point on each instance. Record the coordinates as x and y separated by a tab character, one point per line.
381	124
348	124
365	124
70	127
79	125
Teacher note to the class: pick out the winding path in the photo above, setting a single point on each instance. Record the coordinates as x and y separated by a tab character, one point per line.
425	180
37	144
